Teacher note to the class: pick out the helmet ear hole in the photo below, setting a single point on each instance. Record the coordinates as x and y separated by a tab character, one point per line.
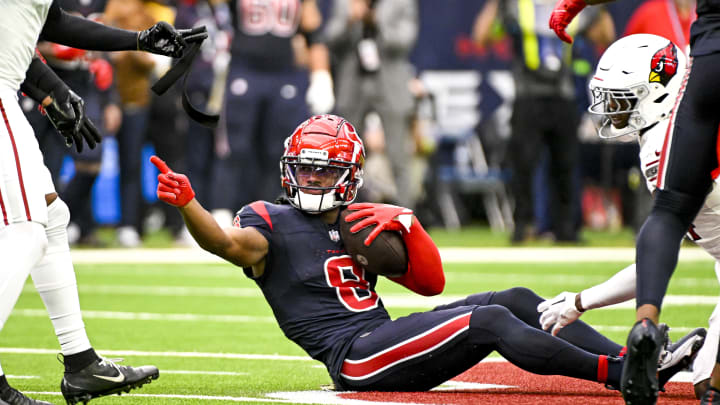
661	98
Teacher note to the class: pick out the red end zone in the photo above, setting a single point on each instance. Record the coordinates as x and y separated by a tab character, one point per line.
527	388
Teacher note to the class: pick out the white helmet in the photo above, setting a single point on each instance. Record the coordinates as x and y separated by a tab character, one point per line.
636	83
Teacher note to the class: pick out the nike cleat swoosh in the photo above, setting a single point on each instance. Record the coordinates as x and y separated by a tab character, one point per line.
117	379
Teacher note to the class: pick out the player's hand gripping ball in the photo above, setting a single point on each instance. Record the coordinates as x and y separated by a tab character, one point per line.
379	249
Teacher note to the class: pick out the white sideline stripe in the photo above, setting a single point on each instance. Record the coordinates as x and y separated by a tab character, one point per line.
448	255
126	353
415	301
390	301
164	371
295	397
164	290
175	396
146	316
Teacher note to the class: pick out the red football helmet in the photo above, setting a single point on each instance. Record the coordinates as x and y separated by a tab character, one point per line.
321	168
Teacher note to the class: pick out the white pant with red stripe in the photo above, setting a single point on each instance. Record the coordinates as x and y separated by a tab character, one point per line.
24	179
22	245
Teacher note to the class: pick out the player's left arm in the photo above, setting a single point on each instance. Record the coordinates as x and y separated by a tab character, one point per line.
64	108
78	32
425	274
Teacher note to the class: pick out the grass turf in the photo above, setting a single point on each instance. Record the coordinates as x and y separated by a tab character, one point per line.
213	308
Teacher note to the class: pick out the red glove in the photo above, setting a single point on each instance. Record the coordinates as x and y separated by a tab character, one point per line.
386	217
102	70
563	14
173	188
67	53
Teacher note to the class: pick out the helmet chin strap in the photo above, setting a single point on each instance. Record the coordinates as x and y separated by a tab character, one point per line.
314	203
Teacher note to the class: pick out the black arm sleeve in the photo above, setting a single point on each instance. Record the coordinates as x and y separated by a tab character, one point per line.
41	81
78	32
312	37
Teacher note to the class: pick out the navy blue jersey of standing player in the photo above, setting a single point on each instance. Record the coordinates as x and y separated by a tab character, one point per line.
328	305
265	99
263	31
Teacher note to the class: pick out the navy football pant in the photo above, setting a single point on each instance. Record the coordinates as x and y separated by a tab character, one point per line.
423	350
688	157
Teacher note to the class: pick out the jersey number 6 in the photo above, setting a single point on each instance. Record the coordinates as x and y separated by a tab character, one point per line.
350	285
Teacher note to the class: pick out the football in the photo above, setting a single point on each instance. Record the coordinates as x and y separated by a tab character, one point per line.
386	255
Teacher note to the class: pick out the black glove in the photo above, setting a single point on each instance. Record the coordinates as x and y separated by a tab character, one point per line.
67	115
163	39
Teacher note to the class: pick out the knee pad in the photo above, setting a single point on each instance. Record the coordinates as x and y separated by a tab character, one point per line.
685	206
56	231
489	323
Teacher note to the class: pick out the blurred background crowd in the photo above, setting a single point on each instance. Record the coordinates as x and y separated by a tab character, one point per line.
471	111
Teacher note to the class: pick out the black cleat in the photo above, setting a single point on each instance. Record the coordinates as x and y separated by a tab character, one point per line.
679	355
711	397
11	396
639	381
103	377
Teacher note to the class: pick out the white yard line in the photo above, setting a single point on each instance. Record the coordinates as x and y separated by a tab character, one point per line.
449	255
126	353
148	316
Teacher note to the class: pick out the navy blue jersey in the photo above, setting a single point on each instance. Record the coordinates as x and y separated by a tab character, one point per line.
263	31
321	299
705	31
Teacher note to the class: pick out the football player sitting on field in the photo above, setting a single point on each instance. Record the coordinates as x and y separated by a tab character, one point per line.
627	104
327	304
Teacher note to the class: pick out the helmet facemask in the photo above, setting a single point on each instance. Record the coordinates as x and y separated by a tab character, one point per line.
618	110
318	185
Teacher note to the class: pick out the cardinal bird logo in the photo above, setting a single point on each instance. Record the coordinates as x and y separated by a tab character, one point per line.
663	65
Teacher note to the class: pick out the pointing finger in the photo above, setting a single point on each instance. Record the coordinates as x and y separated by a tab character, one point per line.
160	164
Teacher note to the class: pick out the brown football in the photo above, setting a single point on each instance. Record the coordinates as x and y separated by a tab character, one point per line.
386	255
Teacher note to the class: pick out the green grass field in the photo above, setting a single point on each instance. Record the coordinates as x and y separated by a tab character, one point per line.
212	335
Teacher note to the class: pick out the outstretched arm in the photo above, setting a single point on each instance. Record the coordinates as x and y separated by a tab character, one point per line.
567	307
78	32
244	247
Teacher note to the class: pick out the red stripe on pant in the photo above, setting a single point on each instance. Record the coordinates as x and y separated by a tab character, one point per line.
602	370
2	206
411	348
17	163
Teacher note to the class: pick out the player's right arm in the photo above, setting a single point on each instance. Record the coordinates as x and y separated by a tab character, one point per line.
567	307
78	32
565	11
245	247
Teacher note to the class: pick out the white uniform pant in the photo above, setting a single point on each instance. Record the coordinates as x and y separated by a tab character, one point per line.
24	179
706	357
22	246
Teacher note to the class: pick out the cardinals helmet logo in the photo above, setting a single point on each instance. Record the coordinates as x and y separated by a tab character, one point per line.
664	65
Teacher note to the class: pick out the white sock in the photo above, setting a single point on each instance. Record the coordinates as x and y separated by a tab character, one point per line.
54	279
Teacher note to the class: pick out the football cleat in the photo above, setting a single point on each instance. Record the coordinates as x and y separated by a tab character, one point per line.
679	355
103	377
711	397
639	381
11	396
